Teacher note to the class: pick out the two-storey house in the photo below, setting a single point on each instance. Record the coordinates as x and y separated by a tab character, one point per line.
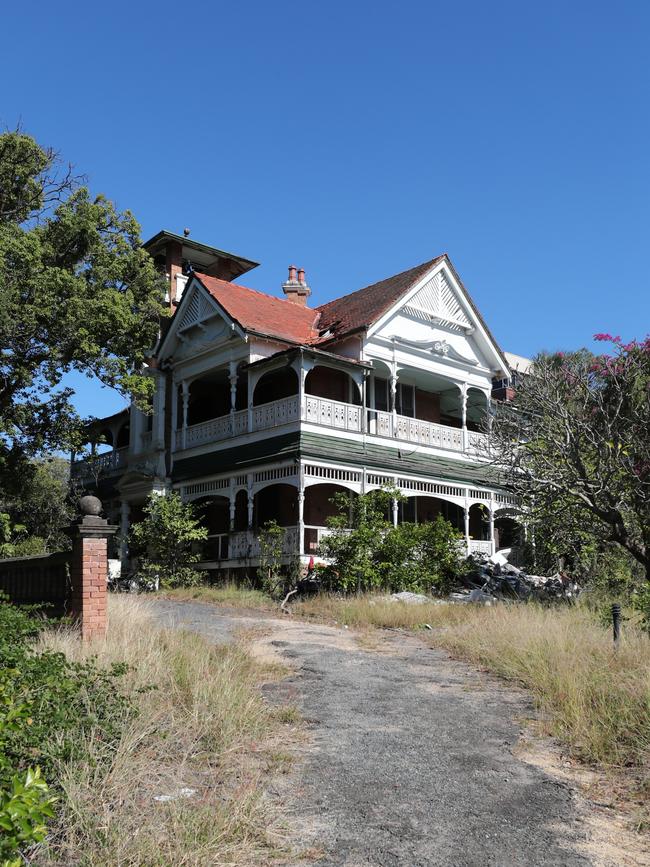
266	406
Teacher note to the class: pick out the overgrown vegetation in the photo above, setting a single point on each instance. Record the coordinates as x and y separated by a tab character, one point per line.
269	570
165	541
574	448
368	553
35	507
202	727
51	709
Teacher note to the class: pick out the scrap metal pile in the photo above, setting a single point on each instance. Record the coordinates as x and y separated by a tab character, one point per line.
494	578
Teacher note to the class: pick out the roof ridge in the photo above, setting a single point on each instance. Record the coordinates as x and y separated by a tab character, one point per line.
200	275
426	264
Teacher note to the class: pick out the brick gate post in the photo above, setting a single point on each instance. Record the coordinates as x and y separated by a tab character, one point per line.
89	568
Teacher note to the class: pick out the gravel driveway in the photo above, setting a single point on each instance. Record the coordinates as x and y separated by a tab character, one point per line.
411	758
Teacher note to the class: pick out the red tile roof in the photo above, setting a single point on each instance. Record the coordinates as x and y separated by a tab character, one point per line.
280	318
264	314
361	308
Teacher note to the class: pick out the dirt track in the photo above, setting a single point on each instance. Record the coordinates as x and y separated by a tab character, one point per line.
412	758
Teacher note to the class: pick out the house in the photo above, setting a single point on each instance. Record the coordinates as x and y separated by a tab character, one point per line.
265	406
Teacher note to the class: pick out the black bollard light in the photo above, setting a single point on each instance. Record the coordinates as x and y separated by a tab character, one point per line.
616	622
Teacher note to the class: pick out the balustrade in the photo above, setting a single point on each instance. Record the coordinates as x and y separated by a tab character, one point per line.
107	462
333	414
276	413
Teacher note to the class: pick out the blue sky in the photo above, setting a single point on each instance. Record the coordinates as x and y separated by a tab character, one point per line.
358	139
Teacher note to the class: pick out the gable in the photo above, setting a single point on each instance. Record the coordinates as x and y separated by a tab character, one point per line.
198	323
436	317
436	301
198	310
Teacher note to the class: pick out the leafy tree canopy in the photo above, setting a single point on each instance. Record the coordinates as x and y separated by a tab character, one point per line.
77	292
166	541
574	444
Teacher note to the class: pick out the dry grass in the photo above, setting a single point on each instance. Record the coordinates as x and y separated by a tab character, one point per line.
202	725
377	611
224	594
597	698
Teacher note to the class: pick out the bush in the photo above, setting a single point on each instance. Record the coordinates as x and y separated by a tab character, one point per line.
422	558
372	554
166	538
50	708
24	810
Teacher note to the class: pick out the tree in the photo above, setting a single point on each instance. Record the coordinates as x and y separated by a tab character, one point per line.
269	570
38	508
424	557
574	443
353	543
369	553
166	538
77	292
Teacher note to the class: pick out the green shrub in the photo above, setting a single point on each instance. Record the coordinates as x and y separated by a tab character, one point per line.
368	553
50	708
25	808
166	538
422	558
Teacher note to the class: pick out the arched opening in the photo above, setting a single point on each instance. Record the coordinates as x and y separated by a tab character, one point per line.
479	522
332	384
422	510
123	435
508	532
318	508
477	409
208	398
214	514
103	441
275	385
276	503
241	511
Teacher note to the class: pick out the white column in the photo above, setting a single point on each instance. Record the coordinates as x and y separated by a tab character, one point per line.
393	402
463	404
251	388
251	502
395	510
125	512
491	509
158	421
301	518
302	394
466	514
186	398
231	506
232	378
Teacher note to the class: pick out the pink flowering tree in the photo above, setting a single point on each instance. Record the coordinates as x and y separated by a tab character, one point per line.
576	440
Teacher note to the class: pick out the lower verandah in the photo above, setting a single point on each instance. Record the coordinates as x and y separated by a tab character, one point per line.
299	499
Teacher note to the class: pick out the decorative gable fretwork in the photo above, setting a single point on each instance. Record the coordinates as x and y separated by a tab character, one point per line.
437	302
197	311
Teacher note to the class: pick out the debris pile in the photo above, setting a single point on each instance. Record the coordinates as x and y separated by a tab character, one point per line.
495	578
410	598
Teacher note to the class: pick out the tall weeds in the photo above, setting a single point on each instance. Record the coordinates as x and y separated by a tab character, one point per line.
201	718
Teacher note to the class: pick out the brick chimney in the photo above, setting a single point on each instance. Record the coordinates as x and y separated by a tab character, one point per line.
296	289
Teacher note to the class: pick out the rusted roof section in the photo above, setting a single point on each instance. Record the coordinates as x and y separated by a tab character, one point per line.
362	308
261	313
